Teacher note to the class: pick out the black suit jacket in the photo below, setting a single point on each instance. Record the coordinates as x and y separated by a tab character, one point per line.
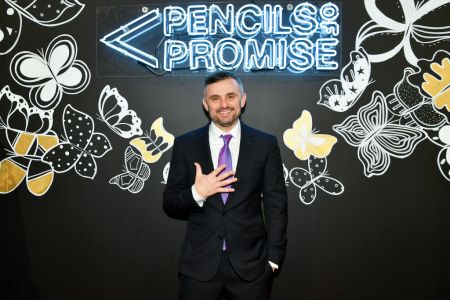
254	219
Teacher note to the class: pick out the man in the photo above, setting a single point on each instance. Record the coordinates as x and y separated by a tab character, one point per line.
226	180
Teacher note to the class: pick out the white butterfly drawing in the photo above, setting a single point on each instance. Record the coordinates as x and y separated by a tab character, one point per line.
441	138
48	12
51	74
315	177
113	110
340	95
166	171
376	137
80	147
135	174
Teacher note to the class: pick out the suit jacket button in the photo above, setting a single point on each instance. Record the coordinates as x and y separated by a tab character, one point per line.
224	213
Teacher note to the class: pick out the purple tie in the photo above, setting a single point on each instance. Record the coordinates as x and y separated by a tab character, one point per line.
225	159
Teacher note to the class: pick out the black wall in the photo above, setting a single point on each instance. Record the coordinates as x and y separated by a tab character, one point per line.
385	237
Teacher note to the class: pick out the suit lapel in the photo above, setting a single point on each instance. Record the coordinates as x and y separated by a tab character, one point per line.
205	161
203	150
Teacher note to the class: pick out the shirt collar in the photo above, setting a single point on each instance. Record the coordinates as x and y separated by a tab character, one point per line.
215	132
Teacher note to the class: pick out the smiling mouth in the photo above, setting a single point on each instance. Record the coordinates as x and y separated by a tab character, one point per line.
225	112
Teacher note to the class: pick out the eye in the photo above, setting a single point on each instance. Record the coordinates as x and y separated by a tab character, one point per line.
232	96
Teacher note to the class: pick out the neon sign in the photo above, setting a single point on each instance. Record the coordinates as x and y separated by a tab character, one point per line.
294	38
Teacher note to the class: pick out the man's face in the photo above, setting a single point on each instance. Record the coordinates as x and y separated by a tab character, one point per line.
223	101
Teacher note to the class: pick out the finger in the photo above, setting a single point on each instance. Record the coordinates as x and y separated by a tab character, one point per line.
225	175
198	170
225	190
227	182
218	170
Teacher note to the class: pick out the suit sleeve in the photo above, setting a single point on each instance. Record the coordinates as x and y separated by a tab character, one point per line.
178	200
275	206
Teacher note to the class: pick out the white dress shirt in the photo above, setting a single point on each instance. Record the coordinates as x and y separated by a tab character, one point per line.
215	144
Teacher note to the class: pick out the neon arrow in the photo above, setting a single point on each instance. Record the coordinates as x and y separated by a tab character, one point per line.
119	39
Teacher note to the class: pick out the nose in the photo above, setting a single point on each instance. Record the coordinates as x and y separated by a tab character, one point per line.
223	102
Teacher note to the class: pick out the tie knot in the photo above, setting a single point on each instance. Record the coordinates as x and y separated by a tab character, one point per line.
226	138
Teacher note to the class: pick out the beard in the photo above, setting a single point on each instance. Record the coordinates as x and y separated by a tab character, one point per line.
225	120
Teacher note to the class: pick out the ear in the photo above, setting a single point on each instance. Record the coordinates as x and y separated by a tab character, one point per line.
243	100
205	106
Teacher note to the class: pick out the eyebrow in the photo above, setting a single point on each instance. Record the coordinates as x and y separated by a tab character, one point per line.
215	95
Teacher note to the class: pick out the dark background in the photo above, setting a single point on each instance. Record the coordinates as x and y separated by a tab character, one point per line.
385	237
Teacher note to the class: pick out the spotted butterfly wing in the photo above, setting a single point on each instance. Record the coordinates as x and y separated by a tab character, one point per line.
330	185
48	12
413	108
137	172
302	178
317	168
81	147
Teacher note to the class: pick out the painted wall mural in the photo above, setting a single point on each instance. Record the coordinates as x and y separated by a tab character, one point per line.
29	135
135	174
113	110
316	177
80	146
388	126
51	74
377	137
45	13
65	122
313	147
37	152
393	125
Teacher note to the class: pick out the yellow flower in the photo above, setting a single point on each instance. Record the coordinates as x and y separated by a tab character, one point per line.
437	85
155	143
304	142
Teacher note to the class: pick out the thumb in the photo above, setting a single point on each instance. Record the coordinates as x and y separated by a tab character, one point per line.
198	170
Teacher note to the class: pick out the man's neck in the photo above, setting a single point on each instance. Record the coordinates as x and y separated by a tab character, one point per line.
226	129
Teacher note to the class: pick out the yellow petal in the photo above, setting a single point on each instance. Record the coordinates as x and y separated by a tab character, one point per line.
141	144
320	145
23	143
11	175
302	154
291	139
303	125
40	185
47	141
161	131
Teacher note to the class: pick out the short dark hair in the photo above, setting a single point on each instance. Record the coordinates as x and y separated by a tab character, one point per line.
222	75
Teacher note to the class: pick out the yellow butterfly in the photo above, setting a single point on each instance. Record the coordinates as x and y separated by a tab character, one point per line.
155	143
304	142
